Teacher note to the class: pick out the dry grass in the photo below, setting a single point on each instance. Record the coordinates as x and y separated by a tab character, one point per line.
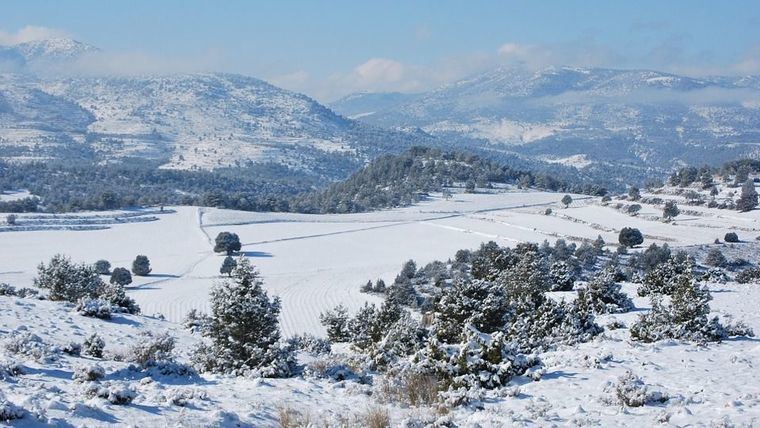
291	418
377	417
413	389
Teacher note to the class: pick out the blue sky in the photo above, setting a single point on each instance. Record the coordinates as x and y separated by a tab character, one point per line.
331	48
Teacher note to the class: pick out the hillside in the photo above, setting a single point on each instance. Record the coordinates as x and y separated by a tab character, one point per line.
585	116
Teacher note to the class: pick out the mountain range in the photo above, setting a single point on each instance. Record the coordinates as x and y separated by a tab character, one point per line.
581	116
573	119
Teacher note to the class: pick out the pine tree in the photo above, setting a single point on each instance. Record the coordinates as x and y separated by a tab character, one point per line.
634	194
670	211
244	323
121	276
604	295
335	322
567	200
630	237
141	266
228	265
748	199
68	281
103	267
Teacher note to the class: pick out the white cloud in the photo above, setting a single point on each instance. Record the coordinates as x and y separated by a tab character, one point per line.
30	33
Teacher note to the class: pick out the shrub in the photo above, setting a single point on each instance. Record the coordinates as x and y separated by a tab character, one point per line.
66	280
664	277
749	275
22	342
731	237
88	373
9	411
103	267
11	219
629	390
116	393
567	200
604	295
117	297
715	258
630	237
141	266
96	308
149	350
94	345
685	318
561	276
670	210
196	321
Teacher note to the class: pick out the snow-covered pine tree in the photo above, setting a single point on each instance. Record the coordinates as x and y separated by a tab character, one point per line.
244	324
68	281
604	295
335	322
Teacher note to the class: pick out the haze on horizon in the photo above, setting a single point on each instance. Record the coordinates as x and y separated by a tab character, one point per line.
330	49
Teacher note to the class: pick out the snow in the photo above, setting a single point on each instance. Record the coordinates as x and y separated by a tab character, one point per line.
314	262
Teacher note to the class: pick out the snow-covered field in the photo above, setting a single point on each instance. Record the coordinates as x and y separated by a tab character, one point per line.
314	262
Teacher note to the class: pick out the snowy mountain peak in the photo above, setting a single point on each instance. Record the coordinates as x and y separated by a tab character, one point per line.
55	49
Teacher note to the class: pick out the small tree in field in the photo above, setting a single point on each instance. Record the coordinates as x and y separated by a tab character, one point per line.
567	200
227	266
634	194
748	199
141	266
227	242
630	237
670	211
11	219
121	276
103	267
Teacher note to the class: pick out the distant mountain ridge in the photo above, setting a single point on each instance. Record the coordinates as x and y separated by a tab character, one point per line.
597	115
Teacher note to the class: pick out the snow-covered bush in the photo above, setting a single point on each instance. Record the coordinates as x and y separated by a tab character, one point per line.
749	275
335	368
604	295
311	344
543	324
715	258
115	294
402	338
629	390
244	328
150	349
664	277
561	276
9	411
72	348
10	369
335	322
28	344
114	392
370	324
686	317
66	280
481	303
481	361
96	308
88	373
715	275
196	321
94	345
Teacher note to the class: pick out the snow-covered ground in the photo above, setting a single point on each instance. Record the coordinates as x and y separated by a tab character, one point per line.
314	262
